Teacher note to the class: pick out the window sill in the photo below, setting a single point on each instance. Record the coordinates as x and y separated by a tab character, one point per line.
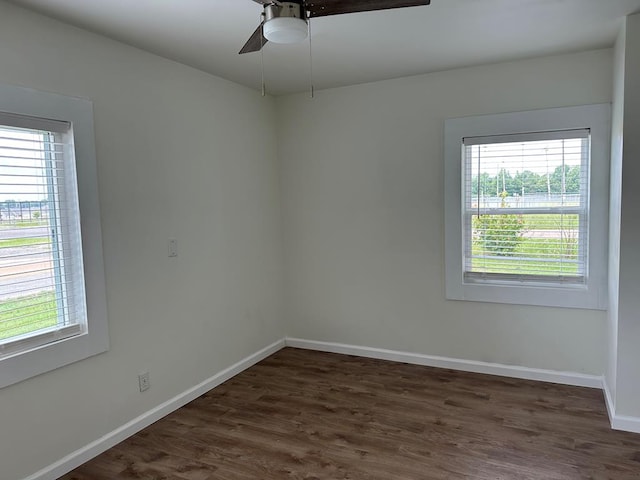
570	296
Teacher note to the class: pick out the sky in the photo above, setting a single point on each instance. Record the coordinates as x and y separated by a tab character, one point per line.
22	172
538	157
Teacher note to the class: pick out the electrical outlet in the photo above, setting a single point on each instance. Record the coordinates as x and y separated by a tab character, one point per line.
143	381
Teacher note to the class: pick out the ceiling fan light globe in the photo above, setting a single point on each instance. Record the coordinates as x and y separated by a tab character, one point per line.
285	30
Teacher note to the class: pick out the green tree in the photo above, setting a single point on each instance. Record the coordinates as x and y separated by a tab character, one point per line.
571	176
499	234
486	183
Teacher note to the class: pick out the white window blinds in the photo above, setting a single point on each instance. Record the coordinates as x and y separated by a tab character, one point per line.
525	207
41	276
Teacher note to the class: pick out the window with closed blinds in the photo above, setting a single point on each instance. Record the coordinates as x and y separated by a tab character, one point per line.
526	208
42	296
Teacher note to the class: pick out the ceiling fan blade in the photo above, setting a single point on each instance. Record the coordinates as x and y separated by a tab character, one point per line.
255	43
323	8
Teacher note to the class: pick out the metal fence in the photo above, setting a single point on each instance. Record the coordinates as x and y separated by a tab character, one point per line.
25	211
534	200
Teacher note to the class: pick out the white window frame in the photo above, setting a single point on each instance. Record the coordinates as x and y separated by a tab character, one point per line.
93	338
591	295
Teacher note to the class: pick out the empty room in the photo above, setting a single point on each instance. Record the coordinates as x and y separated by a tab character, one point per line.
319	239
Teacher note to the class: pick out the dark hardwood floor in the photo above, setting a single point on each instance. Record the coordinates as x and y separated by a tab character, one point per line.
309	415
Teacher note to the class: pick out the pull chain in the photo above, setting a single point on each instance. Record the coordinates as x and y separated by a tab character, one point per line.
310	55
263	88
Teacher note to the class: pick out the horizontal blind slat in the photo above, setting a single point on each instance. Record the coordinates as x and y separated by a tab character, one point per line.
39	235
32	124
528	137
525	206
43	337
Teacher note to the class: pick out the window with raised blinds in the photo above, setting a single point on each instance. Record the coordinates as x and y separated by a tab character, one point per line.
526	208
42	297
53	309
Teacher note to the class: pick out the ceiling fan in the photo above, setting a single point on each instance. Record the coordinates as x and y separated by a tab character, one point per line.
286	21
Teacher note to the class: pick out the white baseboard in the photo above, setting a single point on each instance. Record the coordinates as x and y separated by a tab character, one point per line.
95	448
625	423
608	401
619	422
552	376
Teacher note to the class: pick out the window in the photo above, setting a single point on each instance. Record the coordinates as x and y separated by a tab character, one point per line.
40	300
525	207
52	299
527	221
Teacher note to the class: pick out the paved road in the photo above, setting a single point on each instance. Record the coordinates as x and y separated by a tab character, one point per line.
23	232
39	258
549	233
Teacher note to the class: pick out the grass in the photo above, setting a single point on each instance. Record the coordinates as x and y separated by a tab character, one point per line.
23	223
535	255
24	242
525	267
550	222
529	258
27	314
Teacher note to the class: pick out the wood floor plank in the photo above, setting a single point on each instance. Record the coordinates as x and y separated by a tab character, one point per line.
310	415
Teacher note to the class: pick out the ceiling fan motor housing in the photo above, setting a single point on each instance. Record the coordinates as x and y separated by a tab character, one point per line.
285	22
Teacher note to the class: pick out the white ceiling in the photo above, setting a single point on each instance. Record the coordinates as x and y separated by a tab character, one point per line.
349	49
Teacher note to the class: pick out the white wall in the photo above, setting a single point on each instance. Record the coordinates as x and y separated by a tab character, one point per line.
615	199
184	154
628	373
180	154
362	187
